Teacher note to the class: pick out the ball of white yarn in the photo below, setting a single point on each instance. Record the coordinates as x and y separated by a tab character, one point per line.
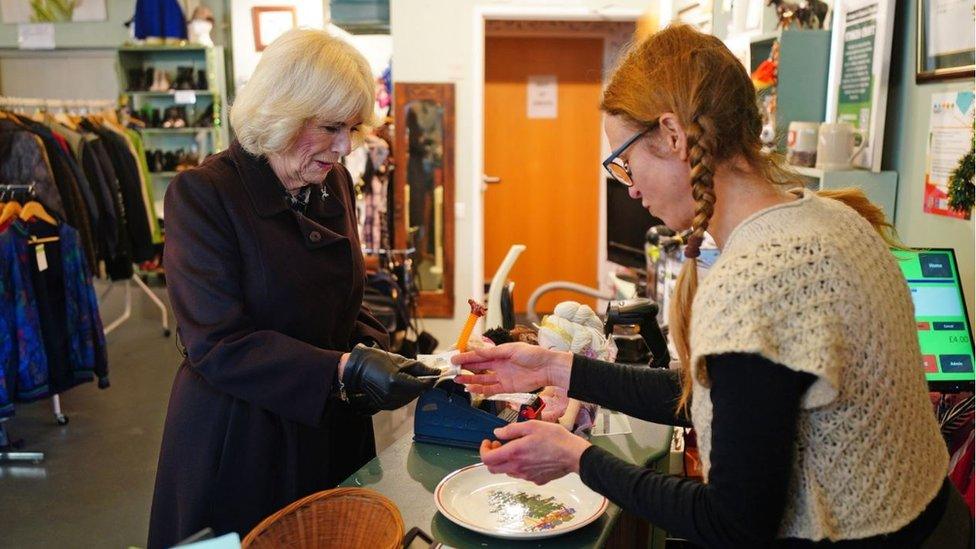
578	313
576	328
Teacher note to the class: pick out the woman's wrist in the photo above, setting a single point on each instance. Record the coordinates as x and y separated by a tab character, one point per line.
559	369
576	453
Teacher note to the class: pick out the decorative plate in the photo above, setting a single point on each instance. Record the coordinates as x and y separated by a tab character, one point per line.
509	508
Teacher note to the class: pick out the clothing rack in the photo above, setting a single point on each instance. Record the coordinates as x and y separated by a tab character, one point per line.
55	399
16	456
82	107
127	311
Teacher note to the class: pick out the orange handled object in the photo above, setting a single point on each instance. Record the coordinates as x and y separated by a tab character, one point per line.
477	311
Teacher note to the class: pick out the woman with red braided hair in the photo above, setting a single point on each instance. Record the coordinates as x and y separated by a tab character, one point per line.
800	366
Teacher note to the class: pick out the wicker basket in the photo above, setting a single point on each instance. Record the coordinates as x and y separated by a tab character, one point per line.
344	517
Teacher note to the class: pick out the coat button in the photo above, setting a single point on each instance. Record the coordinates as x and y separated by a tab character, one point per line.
315	236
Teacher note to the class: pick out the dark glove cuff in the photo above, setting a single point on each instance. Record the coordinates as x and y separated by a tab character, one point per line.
375	379
351	383
352	376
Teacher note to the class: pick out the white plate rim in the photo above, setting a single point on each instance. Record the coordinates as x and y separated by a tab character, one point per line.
509	535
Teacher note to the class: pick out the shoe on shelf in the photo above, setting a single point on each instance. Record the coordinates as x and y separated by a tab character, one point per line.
135	80
175	117
170	159
205	120
184	78
187	160
202	83
161	82
179	120
157	82
158	161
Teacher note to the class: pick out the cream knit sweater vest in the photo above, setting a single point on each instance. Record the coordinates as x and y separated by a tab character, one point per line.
811	286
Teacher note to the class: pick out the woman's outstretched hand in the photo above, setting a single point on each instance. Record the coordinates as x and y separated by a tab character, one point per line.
534	451
513	368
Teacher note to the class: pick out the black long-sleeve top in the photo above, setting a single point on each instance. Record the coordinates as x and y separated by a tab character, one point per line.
756	404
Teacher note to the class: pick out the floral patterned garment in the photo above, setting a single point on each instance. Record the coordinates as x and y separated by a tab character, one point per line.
85	332
24	372
23	362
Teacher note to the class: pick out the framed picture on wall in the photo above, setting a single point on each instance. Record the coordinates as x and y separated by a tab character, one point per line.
946	40
270	22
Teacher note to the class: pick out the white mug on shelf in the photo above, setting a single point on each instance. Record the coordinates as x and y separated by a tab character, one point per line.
838	145
801	143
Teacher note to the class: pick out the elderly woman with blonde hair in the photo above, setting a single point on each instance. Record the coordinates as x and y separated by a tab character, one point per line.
282	364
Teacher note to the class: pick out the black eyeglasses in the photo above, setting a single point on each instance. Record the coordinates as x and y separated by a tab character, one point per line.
619	169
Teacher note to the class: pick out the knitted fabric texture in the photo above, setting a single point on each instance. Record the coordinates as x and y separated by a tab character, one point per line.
811	286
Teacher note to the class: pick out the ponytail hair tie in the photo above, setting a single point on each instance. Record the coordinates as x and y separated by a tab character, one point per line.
693	248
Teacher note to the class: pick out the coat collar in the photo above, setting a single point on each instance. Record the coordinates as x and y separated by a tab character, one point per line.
259	181
264	188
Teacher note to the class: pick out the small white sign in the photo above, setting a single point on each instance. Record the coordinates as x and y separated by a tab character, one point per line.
35	36
185	97
543	96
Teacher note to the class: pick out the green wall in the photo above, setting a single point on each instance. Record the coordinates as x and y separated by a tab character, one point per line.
906	134
112	33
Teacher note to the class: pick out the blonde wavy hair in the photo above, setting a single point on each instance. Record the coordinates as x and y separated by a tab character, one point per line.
305	74
693	75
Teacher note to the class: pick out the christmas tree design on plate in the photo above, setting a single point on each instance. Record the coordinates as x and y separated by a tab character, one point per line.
529	513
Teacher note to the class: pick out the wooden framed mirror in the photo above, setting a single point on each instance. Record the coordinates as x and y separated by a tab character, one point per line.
424	188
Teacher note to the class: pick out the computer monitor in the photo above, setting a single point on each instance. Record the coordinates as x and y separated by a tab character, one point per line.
944	332
627	223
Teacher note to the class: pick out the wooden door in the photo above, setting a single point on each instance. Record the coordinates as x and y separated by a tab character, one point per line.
547	196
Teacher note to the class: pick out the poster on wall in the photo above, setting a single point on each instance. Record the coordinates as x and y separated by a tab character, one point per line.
950	134
858	81
52	11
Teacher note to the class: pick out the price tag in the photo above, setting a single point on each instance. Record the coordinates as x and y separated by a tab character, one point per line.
41	258
185	97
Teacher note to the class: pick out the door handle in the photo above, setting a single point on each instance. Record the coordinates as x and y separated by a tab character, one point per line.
491	179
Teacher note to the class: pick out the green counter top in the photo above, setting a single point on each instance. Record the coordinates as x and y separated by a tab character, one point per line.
407	472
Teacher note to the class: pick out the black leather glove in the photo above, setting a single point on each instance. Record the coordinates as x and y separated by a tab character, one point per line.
376	380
